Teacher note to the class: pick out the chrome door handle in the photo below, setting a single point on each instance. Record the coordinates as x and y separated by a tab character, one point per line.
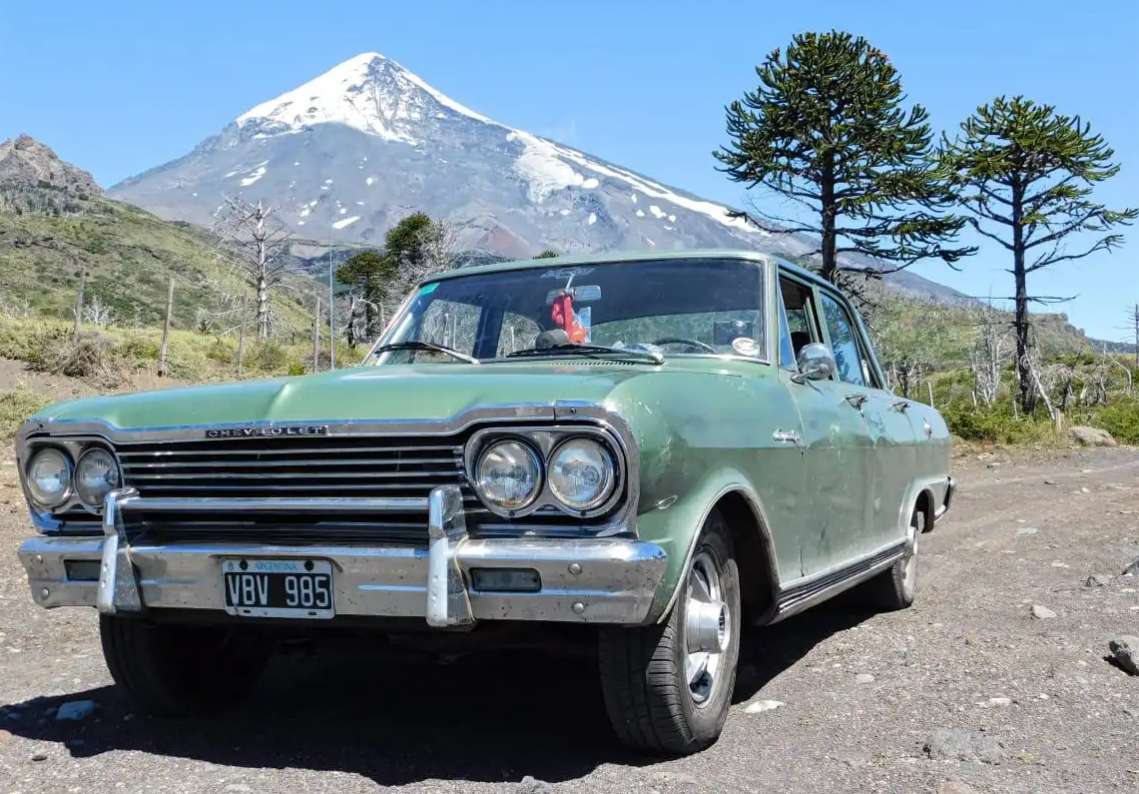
787	437
857	400
901	406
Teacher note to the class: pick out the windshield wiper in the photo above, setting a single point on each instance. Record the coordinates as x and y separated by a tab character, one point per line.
429	347
595	351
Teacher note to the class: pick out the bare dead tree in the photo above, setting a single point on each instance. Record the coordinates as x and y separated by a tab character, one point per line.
988	357
97	313
261	243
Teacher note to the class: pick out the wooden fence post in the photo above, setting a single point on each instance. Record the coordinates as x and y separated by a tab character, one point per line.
162	355
79	303
241	341
316	338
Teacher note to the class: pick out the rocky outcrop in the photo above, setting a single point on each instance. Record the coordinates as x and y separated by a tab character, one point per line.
27	163
1092	437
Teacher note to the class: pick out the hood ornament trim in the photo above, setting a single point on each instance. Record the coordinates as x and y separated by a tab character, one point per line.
266	431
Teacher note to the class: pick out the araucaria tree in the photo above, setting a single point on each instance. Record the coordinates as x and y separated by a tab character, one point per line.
369	274
826	130
1026	175
262	247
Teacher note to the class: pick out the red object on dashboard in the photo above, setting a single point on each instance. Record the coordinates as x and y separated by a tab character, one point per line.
563	315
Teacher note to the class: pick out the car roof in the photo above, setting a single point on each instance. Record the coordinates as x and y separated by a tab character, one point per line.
622	257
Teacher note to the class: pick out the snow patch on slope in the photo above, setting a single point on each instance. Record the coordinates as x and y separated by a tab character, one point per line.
255	174
345	222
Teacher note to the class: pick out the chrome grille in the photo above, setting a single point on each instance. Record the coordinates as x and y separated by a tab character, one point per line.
278	467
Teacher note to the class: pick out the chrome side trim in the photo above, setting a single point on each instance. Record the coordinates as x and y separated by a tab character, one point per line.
807	591
447	601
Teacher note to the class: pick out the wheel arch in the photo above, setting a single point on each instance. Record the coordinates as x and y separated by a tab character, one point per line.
754	547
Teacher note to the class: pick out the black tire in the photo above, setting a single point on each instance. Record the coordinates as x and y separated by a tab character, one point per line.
896	587
643	678
177	670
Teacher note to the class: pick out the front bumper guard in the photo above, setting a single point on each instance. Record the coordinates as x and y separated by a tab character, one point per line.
602	580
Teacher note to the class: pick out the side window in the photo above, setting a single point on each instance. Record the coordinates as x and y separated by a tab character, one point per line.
786	348
451	324
800	326
844	342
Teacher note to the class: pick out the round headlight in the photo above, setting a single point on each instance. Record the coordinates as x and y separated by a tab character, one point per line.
581	474
49	477
509	475
96	475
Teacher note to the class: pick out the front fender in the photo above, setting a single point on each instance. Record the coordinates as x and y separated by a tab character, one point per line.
674	523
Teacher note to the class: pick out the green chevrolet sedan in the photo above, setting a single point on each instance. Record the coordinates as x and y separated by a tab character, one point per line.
666	447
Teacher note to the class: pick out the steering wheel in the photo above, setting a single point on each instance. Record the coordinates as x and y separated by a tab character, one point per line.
677	340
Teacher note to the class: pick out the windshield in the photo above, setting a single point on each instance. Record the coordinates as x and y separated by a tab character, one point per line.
669	307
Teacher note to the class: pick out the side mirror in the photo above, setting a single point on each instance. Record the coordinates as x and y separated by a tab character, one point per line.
816	362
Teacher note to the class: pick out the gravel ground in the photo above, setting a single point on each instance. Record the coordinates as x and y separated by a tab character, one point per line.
968	690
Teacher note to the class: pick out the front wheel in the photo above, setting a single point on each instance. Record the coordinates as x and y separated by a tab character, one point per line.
668	687
175	670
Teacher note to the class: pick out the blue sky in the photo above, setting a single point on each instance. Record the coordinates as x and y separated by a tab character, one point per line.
120	87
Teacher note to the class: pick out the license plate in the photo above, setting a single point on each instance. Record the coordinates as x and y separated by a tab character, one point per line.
278	588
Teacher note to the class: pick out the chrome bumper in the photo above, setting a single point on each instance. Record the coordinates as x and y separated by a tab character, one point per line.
595	580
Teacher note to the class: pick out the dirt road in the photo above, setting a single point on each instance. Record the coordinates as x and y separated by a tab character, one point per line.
965	691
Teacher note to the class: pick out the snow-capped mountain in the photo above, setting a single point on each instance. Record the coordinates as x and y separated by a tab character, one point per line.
349	153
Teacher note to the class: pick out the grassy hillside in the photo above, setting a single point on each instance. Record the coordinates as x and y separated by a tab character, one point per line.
129	255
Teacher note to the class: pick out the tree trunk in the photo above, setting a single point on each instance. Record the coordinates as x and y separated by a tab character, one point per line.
262	306
1020	321
829	210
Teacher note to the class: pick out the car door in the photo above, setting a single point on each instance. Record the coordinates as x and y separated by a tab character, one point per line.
836	444
892	454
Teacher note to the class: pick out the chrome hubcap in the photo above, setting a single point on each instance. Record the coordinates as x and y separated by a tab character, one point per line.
707	629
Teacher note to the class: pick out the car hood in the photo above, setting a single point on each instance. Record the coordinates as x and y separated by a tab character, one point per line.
423	392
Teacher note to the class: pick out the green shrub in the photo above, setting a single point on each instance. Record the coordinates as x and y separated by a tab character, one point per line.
1121	419
997	424
269	357
16	406
296	368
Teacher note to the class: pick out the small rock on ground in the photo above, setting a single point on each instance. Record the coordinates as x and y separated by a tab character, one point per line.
1042	612
1125	652
75	710
762	705
1098	580
955	787
531	785
962	745
864	678
1132	569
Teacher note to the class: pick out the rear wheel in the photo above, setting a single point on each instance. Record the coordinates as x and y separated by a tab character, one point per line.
174	670
668	687
896	587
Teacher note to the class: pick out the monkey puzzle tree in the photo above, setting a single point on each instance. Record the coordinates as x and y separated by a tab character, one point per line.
1026	174
826	129
369	273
